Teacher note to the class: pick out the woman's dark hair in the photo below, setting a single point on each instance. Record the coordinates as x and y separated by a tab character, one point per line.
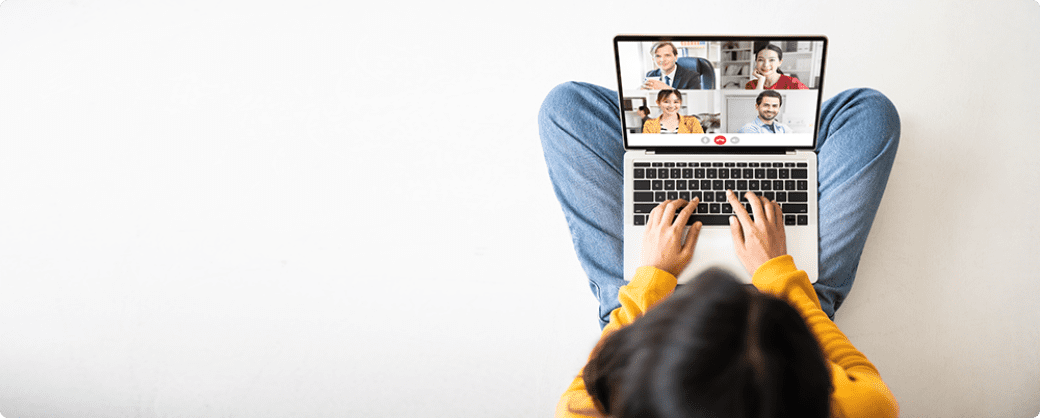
661	95
715	348
779	54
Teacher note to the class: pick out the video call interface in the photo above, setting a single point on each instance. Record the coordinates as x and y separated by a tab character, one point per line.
735	92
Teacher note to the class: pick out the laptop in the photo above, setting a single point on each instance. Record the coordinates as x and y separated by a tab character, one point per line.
748	140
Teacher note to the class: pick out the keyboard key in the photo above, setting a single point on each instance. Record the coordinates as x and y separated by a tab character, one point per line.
660	196
753	185
639	220
657	184
727	208
638	173
789	185
693	185
803	185
730	185
803	219
675	173
717	185
662	173
778	165
713	173
723	173
698	173
803	164
715	208
687	173
669	164
799	173
788	164
784	173
742	184
702	208
644	208
673	195
680	164
709	219
795	207
798	197
641	184
705	184
747	173
695	195
694	164
720	196
716	164
644	196
651	173
730	164
753	165
778	184
708	197
658	165
684	196
781	197
741	164
680	184
771	173
669	184
769	195
760	173
766	185
642	164
734	173
789	220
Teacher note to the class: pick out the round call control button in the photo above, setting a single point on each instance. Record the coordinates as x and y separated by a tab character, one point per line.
720	140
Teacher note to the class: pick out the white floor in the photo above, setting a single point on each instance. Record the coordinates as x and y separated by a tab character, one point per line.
311	208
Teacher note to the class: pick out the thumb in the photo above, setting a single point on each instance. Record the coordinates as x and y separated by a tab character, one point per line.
691	237
737	231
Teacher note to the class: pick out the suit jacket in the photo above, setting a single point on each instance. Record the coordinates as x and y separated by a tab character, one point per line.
684	79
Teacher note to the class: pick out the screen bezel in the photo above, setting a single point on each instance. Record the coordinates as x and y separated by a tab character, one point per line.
726	38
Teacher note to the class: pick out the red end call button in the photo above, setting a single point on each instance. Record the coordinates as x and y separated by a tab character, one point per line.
720	140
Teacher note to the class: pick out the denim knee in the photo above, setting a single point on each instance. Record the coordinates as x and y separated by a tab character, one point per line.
875	108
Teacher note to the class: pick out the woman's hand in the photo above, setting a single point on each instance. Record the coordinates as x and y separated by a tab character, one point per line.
757	75
760	240
663	246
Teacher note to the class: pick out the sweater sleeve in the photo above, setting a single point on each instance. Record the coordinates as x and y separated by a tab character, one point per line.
649	286
858	389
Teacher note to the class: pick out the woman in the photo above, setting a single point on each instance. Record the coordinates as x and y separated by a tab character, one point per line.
670	121
767	72
707	349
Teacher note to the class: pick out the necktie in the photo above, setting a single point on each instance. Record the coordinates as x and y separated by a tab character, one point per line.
668	81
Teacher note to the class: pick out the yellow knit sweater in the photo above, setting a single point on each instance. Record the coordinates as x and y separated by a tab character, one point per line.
858	389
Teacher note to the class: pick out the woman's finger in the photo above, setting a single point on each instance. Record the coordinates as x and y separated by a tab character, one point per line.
756	207
669	210
767	208
738	232
738	208
691	237
684	214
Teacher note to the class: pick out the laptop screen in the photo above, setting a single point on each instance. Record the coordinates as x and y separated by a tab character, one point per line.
696	91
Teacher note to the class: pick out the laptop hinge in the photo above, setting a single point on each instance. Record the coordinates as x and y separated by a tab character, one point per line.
791	152
649	152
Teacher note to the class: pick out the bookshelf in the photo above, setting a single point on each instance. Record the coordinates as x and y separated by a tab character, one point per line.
735	64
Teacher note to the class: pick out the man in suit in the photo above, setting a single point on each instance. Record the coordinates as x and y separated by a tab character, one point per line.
675	77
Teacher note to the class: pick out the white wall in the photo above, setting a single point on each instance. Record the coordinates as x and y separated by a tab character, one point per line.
231	208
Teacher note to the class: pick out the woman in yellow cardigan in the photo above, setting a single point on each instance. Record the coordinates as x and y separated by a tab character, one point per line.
670	121
717	348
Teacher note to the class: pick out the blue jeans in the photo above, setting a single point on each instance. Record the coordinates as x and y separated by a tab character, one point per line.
581	137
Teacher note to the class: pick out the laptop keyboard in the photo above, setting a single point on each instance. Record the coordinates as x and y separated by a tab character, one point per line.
785	182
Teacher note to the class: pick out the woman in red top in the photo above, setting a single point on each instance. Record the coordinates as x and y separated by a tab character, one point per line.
767	72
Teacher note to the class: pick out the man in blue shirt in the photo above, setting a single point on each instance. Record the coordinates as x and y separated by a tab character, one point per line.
768	105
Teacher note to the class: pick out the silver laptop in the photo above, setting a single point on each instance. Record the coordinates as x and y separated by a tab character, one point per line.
751	140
